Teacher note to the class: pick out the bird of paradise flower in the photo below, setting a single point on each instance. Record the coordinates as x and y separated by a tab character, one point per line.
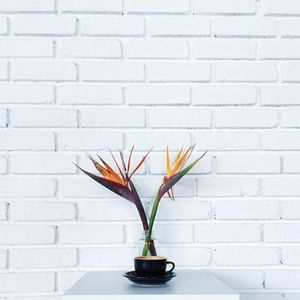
120	182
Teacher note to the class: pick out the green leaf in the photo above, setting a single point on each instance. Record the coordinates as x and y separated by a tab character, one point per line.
115	187
139	206
123	191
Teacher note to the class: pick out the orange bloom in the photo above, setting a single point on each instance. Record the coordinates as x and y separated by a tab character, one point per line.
123	178
176	166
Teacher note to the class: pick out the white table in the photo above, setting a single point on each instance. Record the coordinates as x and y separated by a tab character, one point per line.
187	285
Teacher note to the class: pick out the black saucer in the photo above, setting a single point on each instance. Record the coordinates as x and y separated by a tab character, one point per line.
132	276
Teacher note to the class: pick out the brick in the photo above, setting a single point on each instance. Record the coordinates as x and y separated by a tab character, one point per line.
241	279
26	140
240	209
282	279
47	70
179	71
290	117
89	140
3	25
27	6
156	48
107	211
280	186
113	117
93	48
179	26
280	140
18	93
156	6
183	209
157	163
246	118
147	139
91	234
224	7
3	211
158	94
279	49
3	165
3	70
43	117
218	94
175	233
247	256
26	47
48	25
187	255
97	257
248	163
27	235
3	117
223	49
291	163
276	7
27	282
283	233
83	187
3	259
112	25
244	26
227	186
224	233
27	187
280	95
179	118
42	163
290	209
89	6
42	211
89	94
290	256
290	71
43	258
290	28
225	140
246	71
118	71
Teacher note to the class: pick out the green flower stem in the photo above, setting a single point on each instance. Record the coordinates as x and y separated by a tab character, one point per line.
151	223
161	191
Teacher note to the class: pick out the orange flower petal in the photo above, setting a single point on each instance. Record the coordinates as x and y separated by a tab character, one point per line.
129	159
182	160
111	174
168	162
123	176
140	163
177	156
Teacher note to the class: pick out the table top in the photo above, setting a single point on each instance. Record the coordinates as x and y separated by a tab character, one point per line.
111	285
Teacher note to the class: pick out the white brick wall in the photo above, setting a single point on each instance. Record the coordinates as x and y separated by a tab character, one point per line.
81	75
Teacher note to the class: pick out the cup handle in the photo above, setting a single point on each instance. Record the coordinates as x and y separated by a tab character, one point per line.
173	266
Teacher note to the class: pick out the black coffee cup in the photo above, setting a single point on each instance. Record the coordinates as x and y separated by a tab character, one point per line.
152	266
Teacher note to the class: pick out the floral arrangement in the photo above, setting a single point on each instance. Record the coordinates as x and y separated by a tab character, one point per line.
120	182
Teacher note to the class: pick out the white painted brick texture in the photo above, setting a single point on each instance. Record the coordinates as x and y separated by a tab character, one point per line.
80	76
